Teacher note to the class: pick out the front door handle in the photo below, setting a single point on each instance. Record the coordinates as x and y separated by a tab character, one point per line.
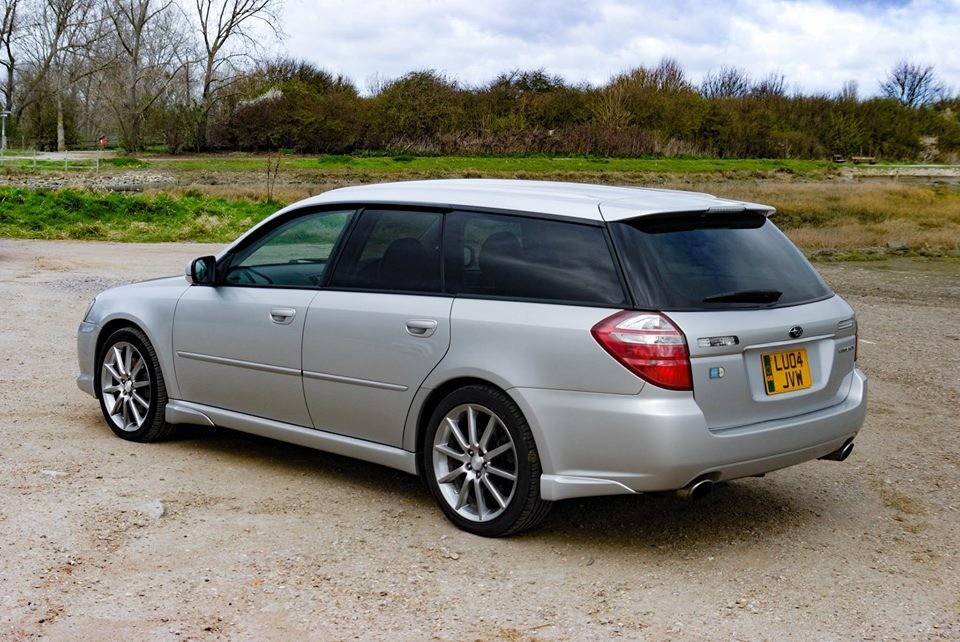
282	316
421	327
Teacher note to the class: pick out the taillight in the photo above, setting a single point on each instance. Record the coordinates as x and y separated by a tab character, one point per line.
649	345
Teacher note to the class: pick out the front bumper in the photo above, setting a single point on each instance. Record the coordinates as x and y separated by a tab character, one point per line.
86	346
594	444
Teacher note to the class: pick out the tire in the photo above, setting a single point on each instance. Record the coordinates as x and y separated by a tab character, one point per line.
130	387
481	463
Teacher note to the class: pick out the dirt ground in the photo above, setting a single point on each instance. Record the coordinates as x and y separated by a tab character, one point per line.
221	535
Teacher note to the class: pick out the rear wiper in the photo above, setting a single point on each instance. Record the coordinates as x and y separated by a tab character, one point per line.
745	296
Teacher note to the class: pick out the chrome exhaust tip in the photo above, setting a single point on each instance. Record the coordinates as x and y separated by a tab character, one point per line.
695	490
841	453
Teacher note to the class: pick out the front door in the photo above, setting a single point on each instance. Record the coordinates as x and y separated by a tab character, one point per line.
238	344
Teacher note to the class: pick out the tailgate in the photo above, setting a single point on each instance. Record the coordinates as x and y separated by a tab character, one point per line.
751	366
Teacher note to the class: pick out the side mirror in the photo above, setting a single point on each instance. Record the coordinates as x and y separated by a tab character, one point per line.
202	271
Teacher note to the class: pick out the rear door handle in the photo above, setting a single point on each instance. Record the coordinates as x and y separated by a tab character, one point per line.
421	327
282	316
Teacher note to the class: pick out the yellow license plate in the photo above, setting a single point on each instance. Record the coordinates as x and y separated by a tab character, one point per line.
786	371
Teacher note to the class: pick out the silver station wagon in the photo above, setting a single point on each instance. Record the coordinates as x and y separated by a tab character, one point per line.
513	342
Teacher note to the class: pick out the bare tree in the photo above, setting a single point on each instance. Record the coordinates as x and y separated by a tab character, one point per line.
728	82
8	33
222	24
667	77
912	84
609	108
773	86
849	92
149	40
58	41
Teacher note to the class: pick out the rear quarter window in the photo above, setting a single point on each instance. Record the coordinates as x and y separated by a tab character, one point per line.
501	255
711	262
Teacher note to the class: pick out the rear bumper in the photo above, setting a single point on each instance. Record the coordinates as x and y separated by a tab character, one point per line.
593	444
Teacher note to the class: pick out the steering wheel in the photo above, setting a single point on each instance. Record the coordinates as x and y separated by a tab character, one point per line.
251	276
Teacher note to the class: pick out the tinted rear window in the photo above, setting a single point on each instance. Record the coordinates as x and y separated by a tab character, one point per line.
710	262
527	258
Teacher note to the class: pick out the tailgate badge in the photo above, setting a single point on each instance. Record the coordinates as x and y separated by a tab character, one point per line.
716	373
796	332
718	342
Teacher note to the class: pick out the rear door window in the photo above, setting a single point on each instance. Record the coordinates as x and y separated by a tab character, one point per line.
392	250
500	255
710	262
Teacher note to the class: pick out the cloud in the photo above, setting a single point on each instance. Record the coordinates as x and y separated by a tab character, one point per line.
818	45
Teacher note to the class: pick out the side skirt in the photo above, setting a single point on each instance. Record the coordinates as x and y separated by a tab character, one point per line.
192	413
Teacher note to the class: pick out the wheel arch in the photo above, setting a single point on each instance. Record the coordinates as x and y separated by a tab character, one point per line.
433	399
119	323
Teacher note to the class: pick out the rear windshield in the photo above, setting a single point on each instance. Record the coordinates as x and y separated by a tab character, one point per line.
711	262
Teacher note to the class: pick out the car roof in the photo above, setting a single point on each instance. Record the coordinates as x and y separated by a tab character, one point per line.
577	200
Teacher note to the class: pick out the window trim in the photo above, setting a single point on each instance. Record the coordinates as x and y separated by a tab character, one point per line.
444	210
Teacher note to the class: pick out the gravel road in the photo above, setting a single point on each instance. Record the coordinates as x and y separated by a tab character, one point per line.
221	535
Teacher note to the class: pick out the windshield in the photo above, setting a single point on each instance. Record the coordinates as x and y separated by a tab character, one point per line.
714	262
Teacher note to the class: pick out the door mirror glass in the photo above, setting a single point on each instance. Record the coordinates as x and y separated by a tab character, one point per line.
201	271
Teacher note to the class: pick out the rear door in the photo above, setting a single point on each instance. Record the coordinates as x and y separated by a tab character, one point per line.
372	338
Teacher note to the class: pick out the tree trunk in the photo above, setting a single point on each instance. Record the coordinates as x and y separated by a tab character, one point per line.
61	134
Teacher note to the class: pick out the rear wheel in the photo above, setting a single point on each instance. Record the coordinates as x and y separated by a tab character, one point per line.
130	387
481	463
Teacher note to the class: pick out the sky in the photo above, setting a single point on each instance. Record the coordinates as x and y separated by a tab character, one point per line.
818	45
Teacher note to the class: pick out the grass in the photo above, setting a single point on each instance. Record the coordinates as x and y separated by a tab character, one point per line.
862	220
406	165
218	197
77	214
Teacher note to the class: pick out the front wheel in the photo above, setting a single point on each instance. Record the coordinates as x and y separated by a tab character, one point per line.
481	463
130	387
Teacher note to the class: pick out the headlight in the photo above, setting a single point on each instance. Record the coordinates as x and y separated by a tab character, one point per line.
89	308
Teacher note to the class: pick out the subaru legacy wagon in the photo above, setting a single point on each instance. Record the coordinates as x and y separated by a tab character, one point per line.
513	342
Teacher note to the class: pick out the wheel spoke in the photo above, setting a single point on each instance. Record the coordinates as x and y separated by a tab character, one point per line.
472	425
111	389
135	370
111	402
496	493
499	450
488	431
444	449
481	501
127	359
113	371
118	362
455	429
493	470
453	474
137	417
464	492
137	399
